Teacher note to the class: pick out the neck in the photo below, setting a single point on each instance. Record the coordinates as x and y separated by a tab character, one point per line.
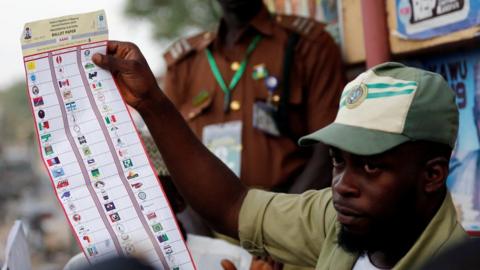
400	244
237	20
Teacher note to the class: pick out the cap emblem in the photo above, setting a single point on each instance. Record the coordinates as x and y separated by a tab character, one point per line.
356	96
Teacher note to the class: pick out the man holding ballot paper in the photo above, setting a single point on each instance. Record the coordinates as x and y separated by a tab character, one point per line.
388	207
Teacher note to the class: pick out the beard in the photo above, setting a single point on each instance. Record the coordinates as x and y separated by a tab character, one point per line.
394	241
356	243
392	233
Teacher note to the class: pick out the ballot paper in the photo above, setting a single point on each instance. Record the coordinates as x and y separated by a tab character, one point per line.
96	160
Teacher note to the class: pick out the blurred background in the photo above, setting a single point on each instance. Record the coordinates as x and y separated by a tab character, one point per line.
395	28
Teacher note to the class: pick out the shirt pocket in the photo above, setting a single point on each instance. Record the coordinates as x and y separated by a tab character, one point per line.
199	103
295	107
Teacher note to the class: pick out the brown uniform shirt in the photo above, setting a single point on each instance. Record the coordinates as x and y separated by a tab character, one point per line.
316	83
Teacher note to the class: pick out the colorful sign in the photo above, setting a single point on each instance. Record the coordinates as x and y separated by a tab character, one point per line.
423	19
462	71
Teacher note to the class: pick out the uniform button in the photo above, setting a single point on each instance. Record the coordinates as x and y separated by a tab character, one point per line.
235	66
235	105
207	35
191	114
276	98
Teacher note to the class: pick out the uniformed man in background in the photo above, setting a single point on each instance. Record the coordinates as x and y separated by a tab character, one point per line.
253	87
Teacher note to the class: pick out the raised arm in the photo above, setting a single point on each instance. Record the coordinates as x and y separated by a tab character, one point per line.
205	182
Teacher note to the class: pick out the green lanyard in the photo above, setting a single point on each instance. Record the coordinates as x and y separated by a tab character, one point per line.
238	74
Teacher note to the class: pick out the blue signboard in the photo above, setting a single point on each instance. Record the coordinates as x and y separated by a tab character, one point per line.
423	19
462	71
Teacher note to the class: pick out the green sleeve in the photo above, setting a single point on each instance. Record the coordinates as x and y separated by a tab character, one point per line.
289	227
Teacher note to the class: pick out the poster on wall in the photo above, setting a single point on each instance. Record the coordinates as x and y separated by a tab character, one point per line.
321	10
462	71
423	19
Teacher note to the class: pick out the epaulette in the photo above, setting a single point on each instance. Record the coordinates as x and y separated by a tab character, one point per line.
308	28
185	46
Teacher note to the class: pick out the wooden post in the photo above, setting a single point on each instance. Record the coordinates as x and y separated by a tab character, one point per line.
377	47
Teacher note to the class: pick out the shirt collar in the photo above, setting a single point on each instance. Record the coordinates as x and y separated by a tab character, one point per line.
263	22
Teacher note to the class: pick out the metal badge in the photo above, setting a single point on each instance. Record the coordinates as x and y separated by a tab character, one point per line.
259	72
272	83
356	96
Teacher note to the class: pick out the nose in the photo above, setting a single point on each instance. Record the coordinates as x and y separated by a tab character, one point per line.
344	184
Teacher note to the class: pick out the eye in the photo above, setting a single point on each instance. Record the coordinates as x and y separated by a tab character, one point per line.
337	161
371	168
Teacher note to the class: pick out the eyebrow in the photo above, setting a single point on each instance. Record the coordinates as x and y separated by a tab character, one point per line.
336	151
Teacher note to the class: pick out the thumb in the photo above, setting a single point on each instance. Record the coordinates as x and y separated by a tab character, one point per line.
260	265
110	62
228	265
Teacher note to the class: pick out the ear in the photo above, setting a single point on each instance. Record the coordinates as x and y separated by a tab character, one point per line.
435	174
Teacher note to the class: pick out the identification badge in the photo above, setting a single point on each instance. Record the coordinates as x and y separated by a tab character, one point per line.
225	141
263	118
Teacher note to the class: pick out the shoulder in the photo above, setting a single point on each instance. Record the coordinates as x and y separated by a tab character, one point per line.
76	262
185	47
307	28
313	38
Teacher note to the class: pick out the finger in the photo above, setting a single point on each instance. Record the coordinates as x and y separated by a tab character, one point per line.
228	265
266	266
110	62
260	265
112	46
277	266
256	265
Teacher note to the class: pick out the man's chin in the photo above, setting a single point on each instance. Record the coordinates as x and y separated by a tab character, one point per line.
356	230
355	240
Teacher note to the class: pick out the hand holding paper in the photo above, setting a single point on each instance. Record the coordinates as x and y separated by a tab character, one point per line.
131	72
203	180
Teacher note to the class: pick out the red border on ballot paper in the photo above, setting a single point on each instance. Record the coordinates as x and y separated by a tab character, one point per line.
137	133
474	233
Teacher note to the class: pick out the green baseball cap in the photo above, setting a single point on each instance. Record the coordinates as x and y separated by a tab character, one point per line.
388	105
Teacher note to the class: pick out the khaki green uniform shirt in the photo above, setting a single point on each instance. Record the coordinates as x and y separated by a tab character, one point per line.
302	230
